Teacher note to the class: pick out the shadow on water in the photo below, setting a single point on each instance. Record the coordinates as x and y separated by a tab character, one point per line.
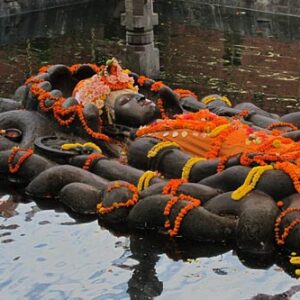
246	55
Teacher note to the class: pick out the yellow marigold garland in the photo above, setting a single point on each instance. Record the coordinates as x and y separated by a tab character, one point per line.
75	145
206	100
218	141
250	181
145	179
295	260
160	146
186	170
216	131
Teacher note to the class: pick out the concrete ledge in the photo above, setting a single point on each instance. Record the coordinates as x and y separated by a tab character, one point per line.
15	7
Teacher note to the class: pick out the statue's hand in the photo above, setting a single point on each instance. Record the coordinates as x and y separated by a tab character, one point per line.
224	111
117	131
171	102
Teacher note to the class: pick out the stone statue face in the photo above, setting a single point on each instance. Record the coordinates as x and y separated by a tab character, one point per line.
135	110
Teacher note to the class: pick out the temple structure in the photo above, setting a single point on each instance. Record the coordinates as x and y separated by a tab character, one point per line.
141	53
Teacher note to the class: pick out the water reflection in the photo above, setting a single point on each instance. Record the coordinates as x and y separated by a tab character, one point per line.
144	283
65	21
8	206
141	265
9	199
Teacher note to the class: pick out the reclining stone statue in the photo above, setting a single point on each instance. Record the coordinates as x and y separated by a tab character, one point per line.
134	152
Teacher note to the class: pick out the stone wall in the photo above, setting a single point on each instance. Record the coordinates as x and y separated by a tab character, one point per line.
14	7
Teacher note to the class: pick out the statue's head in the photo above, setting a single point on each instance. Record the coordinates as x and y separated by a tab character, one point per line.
113	92
134	109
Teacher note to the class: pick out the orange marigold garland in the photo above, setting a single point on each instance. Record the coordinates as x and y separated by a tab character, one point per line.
141	80
64	116
280	239
59	113
182	213
160	104
75	67
202	121
243	114
222	162
87	164
156	86
185	93
280	203
15	168
44	69
245	160
291	170
94	134
275	142
217	143
130	202
172	186
42	96
282	124
263	159
33	79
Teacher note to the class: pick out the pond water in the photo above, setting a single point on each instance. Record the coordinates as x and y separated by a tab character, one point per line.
47	253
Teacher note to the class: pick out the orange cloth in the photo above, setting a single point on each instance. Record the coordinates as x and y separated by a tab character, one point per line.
207	135
199	144
239	139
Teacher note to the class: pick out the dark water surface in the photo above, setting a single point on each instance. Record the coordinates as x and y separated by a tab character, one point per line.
45	253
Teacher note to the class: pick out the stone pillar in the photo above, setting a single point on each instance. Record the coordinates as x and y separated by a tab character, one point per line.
141	55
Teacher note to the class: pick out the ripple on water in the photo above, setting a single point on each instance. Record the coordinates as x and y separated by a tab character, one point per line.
5	234
6	241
